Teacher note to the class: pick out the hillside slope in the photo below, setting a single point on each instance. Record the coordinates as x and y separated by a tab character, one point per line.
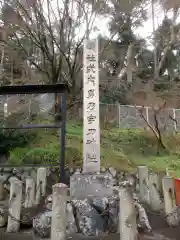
123	149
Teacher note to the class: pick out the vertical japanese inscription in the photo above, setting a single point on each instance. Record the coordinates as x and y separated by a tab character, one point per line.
91	107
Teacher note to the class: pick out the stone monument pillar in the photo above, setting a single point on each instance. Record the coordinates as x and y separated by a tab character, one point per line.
91	182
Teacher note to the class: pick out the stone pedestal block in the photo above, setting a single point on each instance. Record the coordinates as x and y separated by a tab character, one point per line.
89	185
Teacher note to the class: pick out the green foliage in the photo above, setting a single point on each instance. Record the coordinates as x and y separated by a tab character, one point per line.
34	156
41	155
114	95
18	155
161	86
131	141
123	149
10	139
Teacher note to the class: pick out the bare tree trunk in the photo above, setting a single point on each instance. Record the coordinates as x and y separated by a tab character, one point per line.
155	47
127	69
156	130
169	46
57	107
2	61
129	63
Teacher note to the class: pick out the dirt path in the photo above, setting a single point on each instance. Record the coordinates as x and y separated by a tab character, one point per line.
160	232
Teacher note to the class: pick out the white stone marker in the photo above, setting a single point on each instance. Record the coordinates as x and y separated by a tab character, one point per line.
127	216
5	110
30	193
169	201
41	184
143	175
91	138
155	192
59	214
14	205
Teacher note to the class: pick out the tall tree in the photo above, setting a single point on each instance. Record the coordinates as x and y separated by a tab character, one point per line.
166	39
124	16
56	29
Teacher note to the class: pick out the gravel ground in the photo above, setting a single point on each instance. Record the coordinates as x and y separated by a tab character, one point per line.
160	232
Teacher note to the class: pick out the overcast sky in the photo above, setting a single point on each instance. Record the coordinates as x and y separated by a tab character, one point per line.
145	31
102	23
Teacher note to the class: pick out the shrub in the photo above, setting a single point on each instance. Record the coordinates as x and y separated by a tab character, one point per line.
131	140
162	86
44	156
113	95
33	156
41	155
17	155
10	139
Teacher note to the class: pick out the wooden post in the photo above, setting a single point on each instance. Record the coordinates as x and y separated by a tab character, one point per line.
41	184
30	193
169	201
143	175
59	205
127	216
154	192
14	205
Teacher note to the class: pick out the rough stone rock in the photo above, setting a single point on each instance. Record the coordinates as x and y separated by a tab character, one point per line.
103	170
42	222
143	221
48	199
100	204
48	206
77	171
173	219
90	222
16	173
48	202
113	210
71	222
131	178
26	216
108	207
3	217
113	172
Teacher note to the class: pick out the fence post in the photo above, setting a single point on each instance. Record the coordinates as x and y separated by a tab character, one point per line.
169	201
147	114
41	184
59	205
14	205
154	192
29	106
143	175
119	115
5	110
127	215
30	192
174	116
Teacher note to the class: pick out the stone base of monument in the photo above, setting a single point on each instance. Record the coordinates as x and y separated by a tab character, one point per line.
86	185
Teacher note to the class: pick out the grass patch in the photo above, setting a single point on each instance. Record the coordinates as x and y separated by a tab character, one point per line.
121	148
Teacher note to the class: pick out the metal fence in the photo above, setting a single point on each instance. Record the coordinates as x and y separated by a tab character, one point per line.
122	116
126	116
19	108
